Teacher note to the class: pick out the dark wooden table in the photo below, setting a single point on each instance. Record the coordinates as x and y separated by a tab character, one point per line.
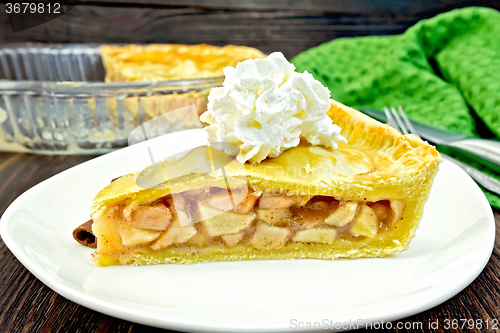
27	305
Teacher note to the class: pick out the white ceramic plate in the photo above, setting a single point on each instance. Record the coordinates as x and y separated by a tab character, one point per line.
452	246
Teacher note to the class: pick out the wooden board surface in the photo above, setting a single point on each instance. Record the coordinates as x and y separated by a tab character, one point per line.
287	26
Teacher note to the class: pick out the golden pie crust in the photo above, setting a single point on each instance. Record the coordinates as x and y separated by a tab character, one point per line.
171	61
375	185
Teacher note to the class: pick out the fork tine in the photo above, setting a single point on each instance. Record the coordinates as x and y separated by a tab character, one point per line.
408	122
390	119
401	125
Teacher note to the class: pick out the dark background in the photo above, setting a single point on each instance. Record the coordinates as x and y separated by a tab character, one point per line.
270	25
27	305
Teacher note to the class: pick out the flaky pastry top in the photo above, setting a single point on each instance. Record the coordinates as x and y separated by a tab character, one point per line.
171	61
376	163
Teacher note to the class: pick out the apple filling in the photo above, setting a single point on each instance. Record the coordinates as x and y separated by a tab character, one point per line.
214	217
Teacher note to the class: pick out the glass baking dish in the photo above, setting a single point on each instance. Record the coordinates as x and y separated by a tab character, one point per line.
54	101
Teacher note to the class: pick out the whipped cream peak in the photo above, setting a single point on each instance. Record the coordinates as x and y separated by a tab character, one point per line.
265	107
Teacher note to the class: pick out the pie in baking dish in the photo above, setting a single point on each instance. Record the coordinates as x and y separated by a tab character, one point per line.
171	61
364	199
160	62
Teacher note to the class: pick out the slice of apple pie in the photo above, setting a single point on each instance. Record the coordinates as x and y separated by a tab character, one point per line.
364	199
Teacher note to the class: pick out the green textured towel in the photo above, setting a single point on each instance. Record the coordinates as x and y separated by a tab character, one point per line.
436	70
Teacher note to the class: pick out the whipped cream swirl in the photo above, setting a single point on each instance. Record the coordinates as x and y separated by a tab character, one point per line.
265	107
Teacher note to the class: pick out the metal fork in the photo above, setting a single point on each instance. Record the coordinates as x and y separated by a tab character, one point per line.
403	124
